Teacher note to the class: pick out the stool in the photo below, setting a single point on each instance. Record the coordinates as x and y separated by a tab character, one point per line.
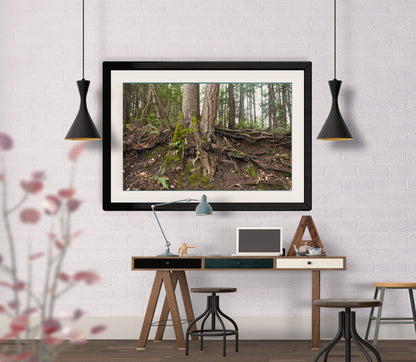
347	326
213	310
379	320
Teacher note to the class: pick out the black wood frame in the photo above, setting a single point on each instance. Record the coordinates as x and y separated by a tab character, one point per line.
110	66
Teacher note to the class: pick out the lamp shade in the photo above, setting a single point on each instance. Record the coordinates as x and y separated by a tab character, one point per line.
203	208
83	127
335	128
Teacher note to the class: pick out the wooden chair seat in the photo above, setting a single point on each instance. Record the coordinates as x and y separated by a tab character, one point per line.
395	285
213	290
347	303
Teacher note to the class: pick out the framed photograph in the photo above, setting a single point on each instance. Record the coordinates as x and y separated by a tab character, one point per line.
237	132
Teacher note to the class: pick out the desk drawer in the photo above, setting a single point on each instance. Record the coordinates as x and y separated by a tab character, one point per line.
167	263
238	263
310	263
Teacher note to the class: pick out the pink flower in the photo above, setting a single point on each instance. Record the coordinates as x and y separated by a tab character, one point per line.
20	285
38	175
32	187
51	325
59	245
66	193
51	205
89	277
78	313
63	277
30	310
12	304
22	356
76	337
73	204
98	329
53	341
76	151
2	309
29	216
35	256
6	142
19	323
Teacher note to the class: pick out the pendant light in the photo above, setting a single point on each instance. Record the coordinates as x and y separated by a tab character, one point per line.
335	128
83	127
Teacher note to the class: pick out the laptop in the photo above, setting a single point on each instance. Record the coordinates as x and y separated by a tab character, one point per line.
259	241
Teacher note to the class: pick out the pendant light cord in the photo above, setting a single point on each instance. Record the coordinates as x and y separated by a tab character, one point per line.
335	39
83	39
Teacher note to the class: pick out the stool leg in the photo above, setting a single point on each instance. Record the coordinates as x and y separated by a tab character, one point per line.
209	303
347	334
327	348
233	323
412	303
189	329
361	342
379	316
224	336
356	338
370	319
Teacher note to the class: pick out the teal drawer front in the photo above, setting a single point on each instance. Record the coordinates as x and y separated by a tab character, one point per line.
243	263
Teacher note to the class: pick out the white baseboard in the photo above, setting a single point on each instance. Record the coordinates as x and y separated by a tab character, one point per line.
250	328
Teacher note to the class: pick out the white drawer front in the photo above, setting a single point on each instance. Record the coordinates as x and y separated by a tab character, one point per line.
310	263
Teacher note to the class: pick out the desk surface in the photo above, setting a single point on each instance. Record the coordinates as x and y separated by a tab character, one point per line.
238	263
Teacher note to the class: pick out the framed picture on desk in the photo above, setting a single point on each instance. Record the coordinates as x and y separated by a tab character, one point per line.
239	132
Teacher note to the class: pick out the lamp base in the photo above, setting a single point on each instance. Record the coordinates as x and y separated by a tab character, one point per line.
168	253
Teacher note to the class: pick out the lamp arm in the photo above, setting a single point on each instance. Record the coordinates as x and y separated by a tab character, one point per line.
160	226
173	202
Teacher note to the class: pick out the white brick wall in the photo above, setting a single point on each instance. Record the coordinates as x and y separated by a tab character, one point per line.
364	192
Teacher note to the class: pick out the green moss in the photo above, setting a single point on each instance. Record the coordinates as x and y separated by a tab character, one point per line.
251	171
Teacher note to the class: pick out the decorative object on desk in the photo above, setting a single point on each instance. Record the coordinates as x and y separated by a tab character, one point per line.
302	250
335	128
83	127
305	222
315	252
259	241
170	147
183	250
203	208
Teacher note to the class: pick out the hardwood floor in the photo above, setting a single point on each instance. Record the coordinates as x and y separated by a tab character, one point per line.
250	351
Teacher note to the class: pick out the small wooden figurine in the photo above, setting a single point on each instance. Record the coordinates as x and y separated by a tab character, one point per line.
183	250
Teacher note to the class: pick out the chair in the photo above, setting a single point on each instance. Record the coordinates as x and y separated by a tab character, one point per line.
382	287
213	310
347	327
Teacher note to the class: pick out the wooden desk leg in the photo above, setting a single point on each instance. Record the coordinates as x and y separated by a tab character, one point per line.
173	307
316	311
165	311
150	311
187	301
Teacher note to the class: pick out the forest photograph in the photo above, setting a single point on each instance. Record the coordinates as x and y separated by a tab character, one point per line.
207	136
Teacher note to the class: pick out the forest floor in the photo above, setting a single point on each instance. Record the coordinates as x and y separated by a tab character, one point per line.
245	160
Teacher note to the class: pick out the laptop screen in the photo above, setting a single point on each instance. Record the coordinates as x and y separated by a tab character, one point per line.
259	240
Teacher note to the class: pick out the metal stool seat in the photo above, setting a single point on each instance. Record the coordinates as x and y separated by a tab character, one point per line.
213	310
381	287
347	327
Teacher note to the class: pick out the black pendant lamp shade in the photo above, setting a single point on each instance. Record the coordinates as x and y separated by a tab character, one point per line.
83	127
335	128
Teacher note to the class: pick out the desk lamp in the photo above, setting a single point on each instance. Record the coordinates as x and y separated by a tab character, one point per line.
202	209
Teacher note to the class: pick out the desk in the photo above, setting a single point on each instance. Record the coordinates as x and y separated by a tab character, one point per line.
171	270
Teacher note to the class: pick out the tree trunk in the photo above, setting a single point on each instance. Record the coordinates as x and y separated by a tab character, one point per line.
270	88
160	113
241	106
231	106
209	111
126	103
190	104
254	105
